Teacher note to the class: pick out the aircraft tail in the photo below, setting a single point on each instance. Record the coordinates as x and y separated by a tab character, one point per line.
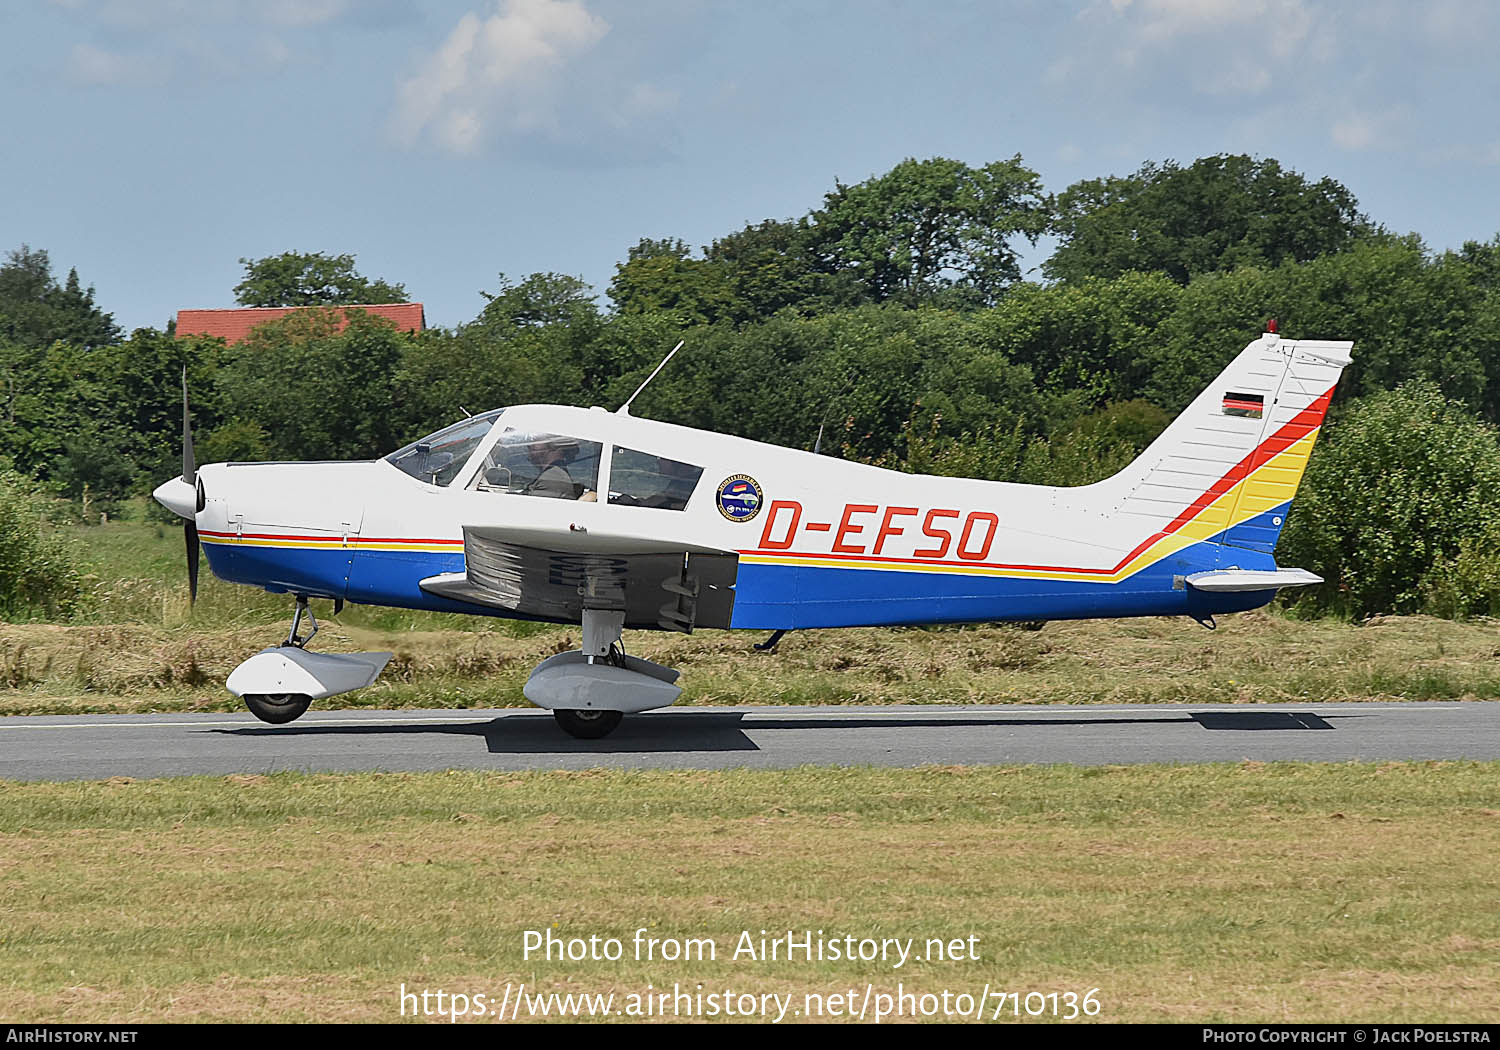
1227	468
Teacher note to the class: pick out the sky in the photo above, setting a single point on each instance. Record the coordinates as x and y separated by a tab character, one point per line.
152	144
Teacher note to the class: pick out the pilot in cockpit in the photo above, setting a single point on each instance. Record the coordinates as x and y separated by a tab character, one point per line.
551	457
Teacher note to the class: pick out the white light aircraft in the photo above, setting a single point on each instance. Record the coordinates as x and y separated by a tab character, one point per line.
597	518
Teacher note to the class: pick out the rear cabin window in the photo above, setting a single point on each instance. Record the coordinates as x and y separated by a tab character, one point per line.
639	479
556	466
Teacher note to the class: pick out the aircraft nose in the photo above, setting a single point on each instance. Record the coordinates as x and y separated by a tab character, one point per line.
178	497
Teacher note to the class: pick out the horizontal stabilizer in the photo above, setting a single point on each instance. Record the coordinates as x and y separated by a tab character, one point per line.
1235	580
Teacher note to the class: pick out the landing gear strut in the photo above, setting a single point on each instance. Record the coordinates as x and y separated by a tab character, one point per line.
604	644
298	614
279	682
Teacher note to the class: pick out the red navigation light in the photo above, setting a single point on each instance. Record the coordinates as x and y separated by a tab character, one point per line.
1271	326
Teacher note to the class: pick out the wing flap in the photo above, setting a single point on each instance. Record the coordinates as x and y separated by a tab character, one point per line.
581	538
673	589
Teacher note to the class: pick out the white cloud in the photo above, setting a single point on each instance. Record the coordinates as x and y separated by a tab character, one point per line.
1161	21
496	74
1354	132
144	14
645	101
1216	47
301	12
1366	129
98	67
151	41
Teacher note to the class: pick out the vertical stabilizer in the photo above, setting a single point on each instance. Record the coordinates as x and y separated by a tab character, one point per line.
1227	468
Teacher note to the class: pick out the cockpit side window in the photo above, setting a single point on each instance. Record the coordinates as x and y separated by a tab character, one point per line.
438	458
640	479
529	463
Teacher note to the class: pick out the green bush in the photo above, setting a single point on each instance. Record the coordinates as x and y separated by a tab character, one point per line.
1467	584
39	575
1402	480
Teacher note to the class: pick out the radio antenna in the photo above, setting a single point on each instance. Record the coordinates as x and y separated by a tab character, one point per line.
818	444
624	410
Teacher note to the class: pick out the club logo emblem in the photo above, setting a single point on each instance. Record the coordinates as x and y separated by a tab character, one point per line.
739	498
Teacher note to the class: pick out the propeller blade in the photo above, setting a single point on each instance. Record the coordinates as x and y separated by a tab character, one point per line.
189	475
189	467
190	533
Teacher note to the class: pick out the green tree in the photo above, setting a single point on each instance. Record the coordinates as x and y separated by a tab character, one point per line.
1095	338
539	299
930	229
36	311
1218	213
1410	316
769	266
1468	583
109	417
311	279
341	400
661	276
742	277
1402	479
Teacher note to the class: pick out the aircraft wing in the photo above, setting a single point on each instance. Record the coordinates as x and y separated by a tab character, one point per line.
659	582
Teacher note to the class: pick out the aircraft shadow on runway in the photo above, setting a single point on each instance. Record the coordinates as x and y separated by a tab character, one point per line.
530	732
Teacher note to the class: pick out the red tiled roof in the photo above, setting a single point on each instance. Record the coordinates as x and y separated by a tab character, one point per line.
235	325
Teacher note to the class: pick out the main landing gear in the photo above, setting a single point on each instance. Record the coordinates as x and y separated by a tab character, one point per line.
590	690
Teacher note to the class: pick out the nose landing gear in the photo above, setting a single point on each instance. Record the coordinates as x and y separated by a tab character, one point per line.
278	684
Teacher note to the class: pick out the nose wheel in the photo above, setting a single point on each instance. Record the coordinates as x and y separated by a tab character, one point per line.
587	725
277	708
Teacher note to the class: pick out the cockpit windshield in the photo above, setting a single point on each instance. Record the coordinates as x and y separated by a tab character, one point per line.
437	458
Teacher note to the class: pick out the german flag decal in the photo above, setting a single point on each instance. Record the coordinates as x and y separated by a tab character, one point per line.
1249	405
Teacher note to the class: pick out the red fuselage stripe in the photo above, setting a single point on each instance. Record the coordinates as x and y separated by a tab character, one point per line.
327	537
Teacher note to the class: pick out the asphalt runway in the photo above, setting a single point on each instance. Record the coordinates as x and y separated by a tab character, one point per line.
97	746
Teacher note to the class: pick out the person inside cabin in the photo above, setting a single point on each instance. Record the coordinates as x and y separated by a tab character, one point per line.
551	457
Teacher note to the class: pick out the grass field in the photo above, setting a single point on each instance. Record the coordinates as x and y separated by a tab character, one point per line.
1249	892
138	647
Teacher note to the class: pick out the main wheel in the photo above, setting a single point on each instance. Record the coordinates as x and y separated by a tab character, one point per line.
588	725
277	708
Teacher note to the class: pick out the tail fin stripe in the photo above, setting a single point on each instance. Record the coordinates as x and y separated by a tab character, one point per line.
1302	424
